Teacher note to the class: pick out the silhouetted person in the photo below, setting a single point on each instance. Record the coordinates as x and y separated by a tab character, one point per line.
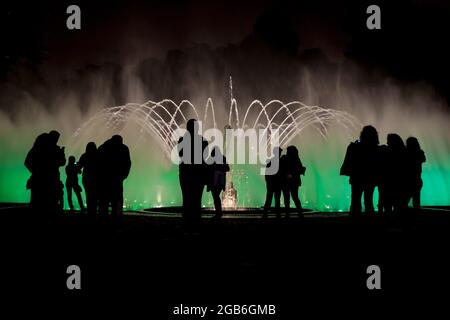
114	165
382	177
72	172
35	162
89	164
193	171
43	161
392	188
291	168
56	159
361	164
218	168
273	183
415	157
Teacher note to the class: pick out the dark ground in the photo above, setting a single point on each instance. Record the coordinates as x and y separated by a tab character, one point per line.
152	264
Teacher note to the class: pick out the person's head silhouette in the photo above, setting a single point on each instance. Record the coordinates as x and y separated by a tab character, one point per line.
41	140
53	137
395	142
116	140
412	144
91	147
71	160
369	136
292	152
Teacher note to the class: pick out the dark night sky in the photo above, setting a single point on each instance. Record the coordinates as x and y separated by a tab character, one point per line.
110	28
412	45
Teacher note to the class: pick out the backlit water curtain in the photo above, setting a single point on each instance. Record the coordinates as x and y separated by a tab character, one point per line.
320	133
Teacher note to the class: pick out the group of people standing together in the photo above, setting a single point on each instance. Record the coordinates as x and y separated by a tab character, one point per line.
103	171
395	169
285	181
195	173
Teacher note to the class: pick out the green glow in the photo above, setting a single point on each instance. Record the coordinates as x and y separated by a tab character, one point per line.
153	180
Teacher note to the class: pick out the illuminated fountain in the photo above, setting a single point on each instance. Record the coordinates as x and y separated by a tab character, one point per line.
163	118
321	134
160	120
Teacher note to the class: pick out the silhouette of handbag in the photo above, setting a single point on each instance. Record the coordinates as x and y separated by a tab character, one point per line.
29	184
302	170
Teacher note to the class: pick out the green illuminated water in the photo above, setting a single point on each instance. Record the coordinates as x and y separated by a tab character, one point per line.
153	180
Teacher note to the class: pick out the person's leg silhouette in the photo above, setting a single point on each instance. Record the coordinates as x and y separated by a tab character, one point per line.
296	199
368	198
69	196
217	202
355	207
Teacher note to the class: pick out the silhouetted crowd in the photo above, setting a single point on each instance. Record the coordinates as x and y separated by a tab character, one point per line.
103	172
395	169
195	173
285	181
